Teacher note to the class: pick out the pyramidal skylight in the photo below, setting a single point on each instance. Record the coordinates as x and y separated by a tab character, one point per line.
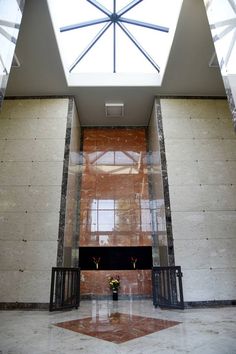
115	36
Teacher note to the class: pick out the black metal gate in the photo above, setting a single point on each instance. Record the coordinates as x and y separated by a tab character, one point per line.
65	288
167	287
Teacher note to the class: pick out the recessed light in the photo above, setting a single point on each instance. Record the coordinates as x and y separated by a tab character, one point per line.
114	109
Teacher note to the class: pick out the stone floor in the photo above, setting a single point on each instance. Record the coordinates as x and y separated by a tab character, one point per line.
119	327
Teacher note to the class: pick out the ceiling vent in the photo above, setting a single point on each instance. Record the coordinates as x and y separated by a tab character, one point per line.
114	109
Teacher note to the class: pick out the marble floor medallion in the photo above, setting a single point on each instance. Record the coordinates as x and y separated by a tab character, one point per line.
117	327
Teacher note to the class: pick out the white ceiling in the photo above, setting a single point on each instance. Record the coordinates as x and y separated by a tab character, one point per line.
187	73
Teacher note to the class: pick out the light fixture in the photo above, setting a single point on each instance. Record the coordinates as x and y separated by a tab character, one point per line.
114	109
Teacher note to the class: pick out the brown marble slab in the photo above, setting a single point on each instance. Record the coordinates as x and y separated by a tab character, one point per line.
132	282
117	327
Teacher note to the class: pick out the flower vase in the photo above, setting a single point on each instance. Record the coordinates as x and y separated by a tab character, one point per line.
134	265
96	265
115	295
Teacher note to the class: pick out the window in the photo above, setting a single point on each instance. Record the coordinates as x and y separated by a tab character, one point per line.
115	36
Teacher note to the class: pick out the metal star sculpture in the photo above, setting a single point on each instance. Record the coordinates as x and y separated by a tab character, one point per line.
116	19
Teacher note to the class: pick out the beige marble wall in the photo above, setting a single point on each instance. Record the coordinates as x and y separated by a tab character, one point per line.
201	161
32	140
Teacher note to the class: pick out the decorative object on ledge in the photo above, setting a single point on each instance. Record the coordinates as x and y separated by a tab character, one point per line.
96	260
114	284
133	261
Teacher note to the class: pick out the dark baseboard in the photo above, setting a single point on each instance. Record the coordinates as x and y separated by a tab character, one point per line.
24	306
45	306
210	303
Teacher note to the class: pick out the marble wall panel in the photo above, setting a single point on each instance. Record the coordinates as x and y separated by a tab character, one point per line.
212	128
26	108
31	154
203	195
15	173
41	226
53	108
189	225
222	253
19	150
215	149
21	128
48	150
9	280
119	177
4	127
185	108
223	109
34	286
198	285
38	255
50	129
46	173
208	284
185	198
223	283
177	128
198	253
217	172
221	224
11	255
134	282
209	224
183	172
12	225
13	198
180	149
43	198
134	238
2	149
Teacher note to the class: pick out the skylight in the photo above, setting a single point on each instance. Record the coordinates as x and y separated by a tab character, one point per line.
115	37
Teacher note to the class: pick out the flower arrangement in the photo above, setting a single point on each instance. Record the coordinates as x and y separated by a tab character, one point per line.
133	261
114	283
96	260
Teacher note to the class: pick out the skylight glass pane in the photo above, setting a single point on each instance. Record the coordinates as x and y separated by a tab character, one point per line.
137	41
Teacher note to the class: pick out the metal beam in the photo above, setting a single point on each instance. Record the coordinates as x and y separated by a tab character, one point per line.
114	47
223	33
230	49
233	5
141	49
144	24
84	24
229	22
9	24
100	7
128	7
86	50
7	35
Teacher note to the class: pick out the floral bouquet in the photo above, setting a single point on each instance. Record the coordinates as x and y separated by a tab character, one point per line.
114	283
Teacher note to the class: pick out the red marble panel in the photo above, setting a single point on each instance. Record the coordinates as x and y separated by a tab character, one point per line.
115	169
132	282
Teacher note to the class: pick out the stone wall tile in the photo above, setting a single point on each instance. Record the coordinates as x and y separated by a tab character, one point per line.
46	173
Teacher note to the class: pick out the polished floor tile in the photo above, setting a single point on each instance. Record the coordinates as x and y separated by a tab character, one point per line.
205	330
117	327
